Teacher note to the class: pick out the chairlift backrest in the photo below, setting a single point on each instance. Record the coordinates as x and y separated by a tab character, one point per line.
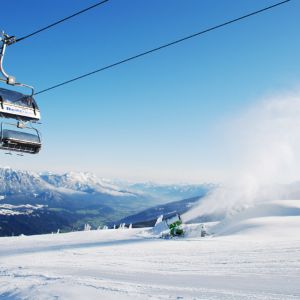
18	106
8	134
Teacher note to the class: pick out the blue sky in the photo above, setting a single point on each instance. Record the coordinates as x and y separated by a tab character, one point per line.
155	117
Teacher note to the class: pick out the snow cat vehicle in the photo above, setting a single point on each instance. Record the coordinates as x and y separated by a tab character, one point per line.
20	107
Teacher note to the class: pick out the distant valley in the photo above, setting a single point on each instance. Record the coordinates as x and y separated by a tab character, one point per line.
34	203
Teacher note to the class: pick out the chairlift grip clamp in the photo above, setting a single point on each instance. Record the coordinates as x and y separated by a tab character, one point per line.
8	40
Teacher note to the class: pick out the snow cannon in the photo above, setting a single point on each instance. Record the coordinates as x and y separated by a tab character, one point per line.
169	226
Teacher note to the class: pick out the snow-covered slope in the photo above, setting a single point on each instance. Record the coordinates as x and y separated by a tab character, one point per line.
257	263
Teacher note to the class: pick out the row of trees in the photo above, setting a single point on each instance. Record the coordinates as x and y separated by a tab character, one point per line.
88	227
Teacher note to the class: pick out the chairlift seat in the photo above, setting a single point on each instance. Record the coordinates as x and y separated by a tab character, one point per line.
20	141
18	106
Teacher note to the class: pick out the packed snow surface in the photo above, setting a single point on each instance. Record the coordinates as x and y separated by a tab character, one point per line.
253	256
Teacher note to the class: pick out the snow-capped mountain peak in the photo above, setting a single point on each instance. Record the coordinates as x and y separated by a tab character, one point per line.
32	185
84	182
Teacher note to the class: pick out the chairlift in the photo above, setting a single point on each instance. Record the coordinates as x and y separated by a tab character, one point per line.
14	104
18	106
26	140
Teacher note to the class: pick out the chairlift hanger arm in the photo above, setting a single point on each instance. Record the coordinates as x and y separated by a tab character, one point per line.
11	80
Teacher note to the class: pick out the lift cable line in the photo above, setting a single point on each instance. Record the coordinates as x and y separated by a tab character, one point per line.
60	21
163	46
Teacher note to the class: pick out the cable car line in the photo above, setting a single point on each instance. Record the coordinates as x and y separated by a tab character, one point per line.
60	21
20	136
164	46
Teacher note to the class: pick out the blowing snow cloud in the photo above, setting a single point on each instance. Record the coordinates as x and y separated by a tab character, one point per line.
264	146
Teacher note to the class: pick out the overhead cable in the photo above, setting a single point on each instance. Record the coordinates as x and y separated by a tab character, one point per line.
62	20
164	46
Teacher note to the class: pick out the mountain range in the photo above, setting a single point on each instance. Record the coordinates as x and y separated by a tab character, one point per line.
32	202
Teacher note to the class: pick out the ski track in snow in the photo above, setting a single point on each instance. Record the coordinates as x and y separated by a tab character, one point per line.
130	264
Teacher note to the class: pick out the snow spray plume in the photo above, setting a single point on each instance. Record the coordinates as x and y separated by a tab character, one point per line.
263	145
